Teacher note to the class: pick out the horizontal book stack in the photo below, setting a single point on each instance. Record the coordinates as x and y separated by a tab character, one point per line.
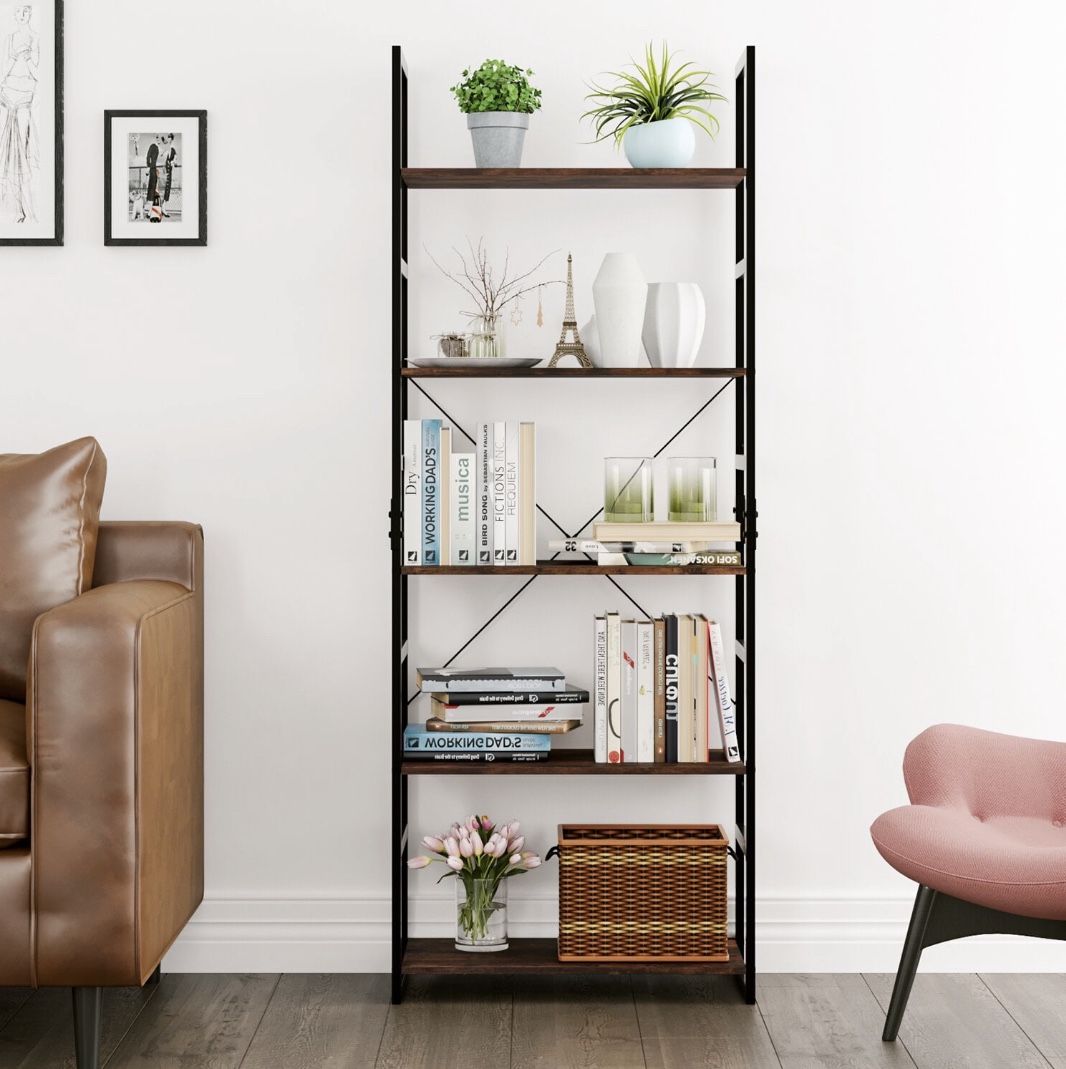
676	545
478	507
661	690
494	714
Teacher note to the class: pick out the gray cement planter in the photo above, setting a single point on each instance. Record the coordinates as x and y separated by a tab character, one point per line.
498	137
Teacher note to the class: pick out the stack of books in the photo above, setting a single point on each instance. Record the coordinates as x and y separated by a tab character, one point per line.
494	714
676	545
469	508
661	690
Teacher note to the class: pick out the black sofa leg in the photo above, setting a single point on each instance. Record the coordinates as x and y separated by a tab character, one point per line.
87	1027
908	962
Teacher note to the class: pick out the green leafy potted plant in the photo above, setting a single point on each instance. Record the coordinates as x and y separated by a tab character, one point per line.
653	108
497	100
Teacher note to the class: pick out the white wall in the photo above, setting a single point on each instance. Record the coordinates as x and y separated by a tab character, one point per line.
910	384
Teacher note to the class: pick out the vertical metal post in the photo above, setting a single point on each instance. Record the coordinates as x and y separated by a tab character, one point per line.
747	515
399	580
750	521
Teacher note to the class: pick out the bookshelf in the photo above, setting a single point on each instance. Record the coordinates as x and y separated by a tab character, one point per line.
420	956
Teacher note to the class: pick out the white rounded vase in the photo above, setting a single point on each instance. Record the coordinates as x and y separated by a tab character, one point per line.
590	338
666	143
620	295
674	321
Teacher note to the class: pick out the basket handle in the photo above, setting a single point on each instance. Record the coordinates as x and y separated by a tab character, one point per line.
553	852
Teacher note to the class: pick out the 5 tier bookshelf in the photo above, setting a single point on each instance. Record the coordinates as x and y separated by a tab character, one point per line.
420	956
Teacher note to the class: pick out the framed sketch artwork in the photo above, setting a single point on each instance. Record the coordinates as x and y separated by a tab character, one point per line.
155	178
31	122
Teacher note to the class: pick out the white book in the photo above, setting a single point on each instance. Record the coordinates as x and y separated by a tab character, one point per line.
412	492
512	495
462	510
483	514
527	494
614	689
645	691
629	691
599	676
499	493
727	717
444	507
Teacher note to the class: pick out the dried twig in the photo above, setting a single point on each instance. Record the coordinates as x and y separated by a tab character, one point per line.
477	279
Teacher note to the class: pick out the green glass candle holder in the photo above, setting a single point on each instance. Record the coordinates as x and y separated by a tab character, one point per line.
693	489
629	491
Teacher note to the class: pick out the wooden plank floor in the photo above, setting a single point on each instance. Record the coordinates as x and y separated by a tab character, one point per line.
538	1022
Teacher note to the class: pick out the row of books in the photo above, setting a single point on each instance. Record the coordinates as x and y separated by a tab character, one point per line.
469	508
494	714
661	690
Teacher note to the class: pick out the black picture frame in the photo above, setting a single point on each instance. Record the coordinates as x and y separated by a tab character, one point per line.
141	113
57	237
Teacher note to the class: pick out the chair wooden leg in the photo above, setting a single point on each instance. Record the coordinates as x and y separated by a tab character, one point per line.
87	1002
908	962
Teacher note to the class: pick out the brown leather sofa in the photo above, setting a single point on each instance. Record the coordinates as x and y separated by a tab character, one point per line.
101	776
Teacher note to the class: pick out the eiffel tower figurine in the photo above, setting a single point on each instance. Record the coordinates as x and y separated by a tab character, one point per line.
570	348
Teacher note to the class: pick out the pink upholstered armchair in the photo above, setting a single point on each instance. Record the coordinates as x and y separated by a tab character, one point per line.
984	838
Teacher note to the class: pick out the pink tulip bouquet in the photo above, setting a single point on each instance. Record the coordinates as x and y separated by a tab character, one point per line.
482	856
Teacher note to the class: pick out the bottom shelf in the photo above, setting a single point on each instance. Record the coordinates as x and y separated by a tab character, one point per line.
539	955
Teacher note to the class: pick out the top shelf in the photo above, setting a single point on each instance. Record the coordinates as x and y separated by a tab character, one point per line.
572	177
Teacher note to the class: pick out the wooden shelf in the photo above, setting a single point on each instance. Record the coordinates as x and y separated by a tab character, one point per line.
572	763
489	372
579	567
572	177
540	956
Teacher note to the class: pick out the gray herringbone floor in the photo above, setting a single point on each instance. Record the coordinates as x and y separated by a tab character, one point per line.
346	1022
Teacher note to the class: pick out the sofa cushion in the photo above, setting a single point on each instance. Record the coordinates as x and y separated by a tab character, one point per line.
14	775
49	517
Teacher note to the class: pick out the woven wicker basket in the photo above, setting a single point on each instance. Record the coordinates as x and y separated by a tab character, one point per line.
643	892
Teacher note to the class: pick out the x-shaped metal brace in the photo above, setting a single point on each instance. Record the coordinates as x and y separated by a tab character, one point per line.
551	519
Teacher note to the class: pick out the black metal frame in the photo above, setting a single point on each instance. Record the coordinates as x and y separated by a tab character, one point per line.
746	511
939	918
140	113
57	227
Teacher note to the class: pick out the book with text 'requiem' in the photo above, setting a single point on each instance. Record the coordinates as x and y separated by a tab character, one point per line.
499	493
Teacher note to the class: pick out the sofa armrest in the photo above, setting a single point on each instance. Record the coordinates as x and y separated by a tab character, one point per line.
115	740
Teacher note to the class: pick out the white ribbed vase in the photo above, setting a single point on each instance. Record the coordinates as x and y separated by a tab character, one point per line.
620	294
674	321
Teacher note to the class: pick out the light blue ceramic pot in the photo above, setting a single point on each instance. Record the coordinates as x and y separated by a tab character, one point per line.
666	143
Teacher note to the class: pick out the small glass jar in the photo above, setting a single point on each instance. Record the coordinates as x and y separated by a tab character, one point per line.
481	915
629	490
693	489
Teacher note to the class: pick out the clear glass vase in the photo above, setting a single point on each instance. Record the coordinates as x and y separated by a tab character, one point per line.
629	490
487	340
481	915
693	489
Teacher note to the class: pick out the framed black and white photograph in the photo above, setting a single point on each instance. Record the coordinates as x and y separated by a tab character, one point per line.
155	178
31	123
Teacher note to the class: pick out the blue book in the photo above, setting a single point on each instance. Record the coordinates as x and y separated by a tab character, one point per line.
431	484
415	740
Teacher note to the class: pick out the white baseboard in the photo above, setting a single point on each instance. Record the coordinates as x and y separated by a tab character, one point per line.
352	935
